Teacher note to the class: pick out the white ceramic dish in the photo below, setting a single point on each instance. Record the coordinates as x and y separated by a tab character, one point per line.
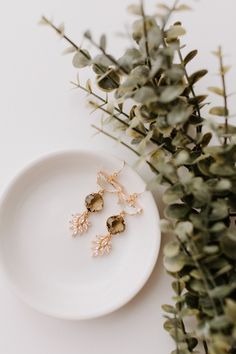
55	273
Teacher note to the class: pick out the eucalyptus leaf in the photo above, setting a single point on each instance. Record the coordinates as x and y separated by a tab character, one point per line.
228	244
151	101
190	56
177	211
175	32
171	249
170	93
145	95
231	309
219	210
174	264
218	111
81	59
134	9
103	42
197	76
217	90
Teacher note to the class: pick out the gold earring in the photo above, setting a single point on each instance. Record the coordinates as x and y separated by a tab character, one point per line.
115	226
94	202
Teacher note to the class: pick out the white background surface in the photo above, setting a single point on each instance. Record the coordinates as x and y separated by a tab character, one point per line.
40	113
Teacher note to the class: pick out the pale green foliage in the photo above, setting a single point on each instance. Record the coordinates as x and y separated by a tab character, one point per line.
164	122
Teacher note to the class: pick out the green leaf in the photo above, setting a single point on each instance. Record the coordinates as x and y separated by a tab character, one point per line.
69	50
190	56
108	81
103	42
175	73
184	230
220	323
197	76
174	264
103	62
166	225
220	210
183	7
181	157
87	34
173	194
211	249
169	309
222	169
145	95
178	286
170	93
171	249
221	291
228	244
81	59
217	227
196	274
163	7
217	90
177	211
179	114
134	9
174	32
206	138
225	269
131	58
219	111
154	38
223	185
197	286
138	27
225	69
230	310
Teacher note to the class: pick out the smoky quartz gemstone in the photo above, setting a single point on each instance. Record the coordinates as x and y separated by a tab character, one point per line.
115	224
94	202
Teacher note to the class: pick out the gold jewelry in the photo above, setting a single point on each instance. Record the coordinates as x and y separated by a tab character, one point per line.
94	202
115	225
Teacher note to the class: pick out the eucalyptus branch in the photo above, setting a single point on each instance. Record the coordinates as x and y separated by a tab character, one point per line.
201	270
108	56
226	111
128	147
95	95
205	346
199	128
145	35
179	308
176	336
76	47
63	35
140	132
200	177
169	14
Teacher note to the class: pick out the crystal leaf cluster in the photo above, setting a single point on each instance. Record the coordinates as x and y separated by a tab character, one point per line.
148	98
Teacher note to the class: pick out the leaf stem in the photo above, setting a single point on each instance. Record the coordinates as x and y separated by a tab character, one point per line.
222	74
205	346
200	268
169	15
145	35
108	56
64	36
99	98
51	24
115	116
199	128
126	145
